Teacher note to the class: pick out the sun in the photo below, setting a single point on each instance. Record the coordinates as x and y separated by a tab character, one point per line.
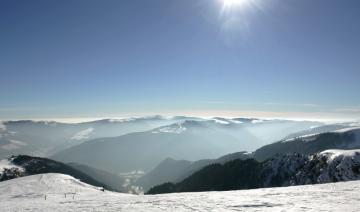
234	3
231	6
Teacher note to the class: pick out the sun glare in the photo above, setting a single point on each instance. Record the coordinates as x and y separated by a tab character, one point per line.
234	3
231	6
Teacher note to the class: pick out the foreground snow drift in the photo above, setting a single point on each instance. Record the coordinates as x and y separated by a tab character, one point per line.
28	194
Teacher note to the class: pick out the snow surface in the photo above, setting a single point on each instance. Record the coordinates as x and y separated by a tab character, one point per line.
306	138
311	137
219	121
84	134
237	122
51	123
28	194
225	121
123	120
176	128
348	129
257	121
333	154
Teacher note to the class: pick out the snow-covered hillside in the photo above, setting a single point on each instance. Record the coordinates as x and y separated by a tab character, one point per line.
330	166
313	136
324	167
346	138
28	194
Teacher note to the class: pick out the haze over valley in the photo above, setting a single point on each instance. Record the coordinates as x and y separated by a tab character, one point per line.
181	105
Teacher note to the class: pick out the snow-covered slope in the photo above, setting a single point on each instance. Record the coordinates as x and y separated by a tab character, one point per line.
28	194
23	165
42	184
313	136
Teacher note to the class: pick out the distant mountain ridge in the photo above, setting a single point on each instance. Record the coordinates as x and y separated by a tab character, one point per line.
44	138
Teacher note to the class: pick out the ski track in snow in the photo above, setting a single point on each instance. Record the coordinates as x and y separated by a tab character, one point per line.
28	194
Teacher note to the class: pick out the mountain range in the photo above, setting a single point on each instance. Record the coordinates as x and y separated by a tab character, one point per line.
346	138
45	138
184	140
136	154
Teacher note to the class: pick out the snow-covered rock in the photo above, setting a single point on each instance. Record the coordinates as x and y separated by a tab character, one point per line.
56	192
9	170
7	164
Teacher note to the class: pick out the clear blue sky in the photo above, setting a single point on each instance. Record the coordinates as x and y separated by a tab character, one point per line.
95	58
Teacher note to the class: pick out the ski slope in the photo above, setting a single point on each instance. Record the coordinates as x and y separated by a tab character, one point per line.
28	194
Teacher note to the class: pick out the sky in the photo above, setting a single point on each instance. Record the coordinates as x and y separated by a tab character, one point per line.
73	59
